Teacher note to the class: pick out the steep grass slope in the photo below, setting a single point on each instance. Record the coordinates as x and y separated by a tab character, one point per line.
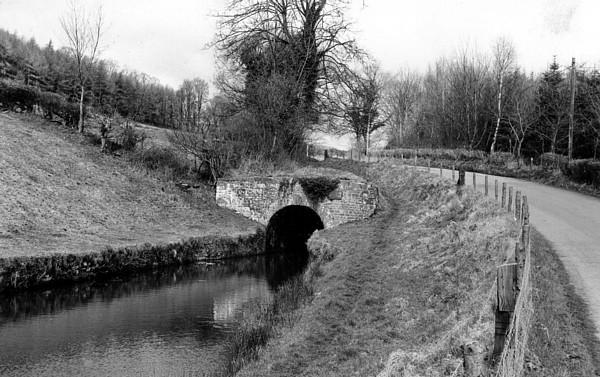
59	194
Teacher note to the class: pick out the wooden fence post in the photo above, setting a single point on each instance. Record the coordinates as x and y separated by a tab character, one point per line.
520	261
503	202
461	178
428	166
525	236
453	177
440	172
506	299
510	199
402	158
518	206
525	210
496	189
474	182
486	185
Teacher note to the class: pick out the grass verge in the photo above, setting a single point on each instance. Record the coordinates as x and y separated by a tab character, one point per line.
562	340
547	176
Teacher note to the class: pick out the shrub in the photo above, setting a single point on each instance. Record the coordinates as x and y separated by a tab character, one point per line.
128	137
216	155
163	160
553	160
251	165
16	95
54	104
583	171
318	188
431	153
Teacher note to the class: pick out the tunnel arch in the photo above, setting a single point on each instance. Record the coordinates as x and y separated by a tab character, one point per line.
290	227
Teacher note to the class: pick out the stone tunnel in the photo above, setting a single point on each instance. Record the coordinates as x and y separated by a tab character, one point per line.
259	198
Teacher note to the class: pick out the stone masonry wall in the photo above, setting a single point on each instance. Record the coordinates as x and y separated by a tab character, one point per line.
259	198
26	272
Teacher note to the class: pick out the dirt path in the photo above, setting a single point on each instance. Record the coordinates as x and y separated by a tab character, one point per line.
571	222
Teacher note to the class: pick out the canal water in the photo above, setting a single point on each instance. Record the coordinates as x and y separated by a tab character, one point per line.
172	322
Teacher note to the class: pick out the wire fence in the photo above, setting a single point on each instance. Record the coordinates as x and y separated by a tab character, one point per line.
514	306
511	360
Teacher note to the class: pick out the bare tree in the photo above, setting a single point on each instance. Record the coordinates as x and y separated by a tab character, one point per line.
83	33
400	102
504	59
522	109
357	107
468	97
192	94
295	49
592	92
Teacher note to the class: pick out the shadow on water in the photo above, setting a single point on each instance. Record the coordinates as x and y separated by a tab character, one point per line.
172	321
275	269
163	322
285	242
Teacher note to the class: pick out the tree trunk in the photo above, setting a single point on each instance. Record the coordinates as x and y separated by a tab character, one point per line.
80	124
519	146
499	103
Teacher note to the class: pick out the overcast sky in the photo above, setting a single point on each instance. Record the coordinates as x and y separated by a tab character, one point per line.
167	39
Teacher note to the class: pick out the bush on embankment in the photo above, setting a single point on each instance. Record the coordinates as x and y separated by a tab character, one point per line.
410	285
583	171
14	95
551	169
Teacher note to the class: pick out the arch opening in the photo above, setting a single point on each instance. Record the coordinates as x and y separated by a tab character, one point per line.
289	229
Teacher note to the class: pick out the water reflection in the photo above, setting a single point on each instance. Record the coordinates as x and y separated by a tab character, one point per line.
168	322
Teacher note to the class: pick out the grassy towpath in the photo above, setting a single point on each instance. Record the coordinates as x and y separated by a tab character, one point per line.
404	289
59	194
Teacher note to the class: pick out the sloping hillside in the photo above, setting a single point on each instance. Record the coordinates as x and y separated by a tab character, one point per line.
59	194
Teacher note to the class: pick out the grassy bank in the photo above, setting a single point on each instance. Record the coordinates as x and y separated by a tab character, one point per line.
262	320
400	292
61	195
563	340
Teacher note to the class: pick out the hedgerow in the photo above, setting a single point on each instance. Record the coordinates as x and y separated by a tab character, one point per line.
14	95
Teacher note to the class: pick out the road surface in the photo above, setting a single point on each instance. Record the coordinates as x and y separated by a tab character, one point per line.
570	221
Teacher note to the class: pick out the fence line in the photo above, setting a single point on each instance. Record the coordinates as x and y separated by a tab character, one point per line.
514	307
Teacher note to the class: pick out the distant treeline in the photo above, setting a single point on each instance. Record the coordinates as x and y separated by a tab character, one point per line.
132	94
473	102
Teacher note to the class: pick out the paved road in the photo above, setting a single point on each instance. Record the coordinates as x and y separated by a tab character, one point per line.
571	221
